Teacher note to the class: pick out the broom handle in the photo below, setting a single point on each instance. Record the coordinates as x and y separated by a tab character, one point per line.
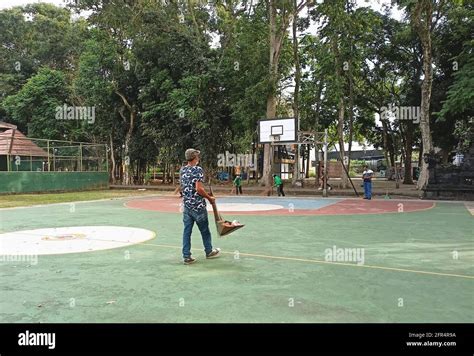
217	216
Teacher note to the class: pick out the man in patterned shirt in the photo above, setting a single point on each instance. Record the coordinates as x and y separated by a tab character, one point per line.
194	206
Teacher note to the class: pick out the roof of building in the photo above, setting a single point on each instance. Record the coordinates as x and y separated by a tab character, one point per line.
14	143
4	125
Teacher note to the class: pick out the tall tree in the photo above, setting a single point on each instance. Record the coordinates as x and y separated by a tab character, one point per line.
424	16
421	18
296	59
279	16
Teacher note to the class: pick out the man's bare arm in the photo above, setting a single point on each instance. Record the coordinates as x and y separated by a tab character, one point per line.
202	192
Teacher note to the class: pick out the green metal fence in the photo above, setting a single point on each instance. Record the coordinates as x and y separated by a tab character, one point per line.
31	182
40	155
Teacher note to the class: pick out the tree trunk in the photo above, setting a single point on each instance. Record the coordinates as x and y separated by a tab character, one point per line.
340	122
276	37
138	181
304	161
351	117
420	156
128	137
388	144
127	175
296	169
112	158
340	131
422	21
308	157
408	179
316	128
126	164
271	99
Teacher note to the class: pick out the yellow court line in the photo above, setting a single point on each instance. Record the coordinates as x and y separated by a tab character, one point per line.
470	207
328	262
294	259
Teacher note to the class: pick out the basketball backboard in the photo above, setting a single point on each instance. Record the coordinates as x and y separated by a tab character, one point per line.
281	130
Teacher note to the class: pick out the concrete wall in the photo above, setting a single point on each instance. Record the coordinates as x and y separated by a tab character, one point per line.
26	182
334	169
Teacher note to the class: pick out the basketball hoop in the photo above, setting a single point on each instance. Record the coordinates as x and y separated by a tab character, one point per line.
274	138
277	131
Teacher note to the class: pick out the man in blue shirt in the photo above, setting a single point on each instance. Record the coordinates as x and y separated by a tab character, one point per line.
191	180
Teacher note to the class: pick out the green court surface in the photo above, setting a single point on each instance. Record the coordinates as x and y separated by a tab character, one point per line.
418	267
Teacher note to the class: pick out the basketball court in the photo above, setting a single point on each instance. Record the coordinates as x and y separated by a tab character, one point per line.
120	261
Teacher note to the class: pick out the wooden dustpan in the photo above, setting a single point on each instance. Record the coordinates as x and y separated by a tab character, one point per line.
223	226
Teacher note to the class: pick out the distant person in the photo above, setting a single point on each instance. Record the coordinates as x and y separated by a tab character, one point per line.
191	179
324	178
416	173
238	184
278	183
458	159
367	178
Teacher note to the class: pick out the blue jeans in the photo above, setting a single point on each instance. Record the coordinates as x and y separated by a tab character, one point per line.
368	190
200	217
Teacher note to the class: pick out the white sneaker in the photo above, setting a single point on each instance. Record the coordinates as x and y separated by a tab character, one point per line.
214	253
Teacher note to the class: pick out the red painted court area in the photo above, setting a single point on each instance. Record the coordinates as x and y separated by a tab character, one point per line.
287	206
353	206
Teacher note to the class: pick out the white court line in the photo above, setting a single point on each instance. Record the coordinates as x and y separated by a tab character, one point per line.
80	201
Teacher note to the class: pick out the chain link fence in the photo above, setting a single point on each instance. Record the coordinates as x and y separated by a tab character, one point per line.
19	153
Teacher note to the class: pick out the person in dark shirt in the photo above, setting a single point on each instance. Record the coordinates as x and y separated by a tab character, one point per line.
323	178
367	178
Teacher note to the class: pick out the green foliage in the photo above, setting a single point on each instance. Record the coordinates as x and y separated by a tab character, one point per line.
34	106
460	95
37	35
198	76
